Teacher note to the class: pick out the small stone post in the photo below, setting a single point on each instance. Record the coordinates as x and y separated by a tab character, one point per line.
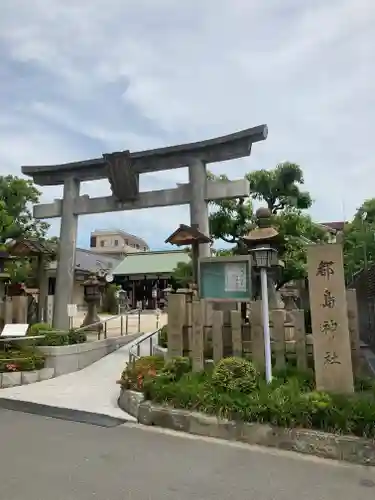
176	318
198	335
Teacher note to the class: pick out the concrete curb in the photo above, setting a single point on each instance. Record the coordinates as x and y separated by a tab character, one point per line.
13	379
345	448
84	417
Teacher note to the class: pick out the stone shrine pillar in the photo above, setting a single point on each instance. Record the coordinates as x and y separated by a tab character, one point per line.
329	319
198	203
66	254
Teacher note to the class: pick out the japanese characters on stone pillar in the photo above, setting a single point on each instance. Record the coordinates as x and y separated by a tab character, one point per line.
329	319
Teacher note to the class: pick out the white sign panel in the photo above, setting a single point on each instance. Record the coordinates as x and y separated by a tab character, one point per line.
72	310
49	309
14	330
235	277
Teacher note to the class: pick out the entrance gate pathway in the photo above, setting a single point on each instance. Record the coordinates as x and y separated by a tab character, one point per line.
92	389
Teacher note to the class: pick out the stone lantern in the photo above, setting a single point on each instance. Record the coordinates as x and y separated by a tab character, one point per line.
263	243
92	295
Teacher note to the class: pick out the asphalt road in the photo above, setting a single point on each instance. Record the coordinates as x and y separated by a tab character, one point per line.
44	459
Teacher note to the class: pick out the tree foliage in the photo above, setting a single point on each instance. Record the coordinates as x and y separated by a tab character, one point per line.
280	188
16	199
359	240
281	191
17	196
182	275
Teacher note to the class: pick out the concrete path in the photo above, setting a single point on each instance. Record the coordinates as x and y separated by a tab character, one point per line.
49	459
92	389
146	323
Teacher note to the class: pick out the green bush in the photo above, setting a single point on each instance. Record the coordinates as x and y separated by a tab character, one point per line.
176	367
110	301
39	329
134	374
60	338
163	337
235	374
75	337
305	379
286	402
24	359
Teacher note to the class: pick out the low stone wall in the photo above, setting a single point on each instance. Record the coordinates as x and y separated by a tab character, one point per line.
11	379
129	401
71	358
347	448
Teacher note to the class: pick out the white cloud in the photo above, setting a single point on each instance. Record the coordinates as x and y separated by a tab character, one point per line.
82	78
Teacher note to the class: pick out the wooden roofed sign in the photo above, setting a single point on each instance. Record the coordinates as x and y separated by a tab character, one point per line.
187	235
31	248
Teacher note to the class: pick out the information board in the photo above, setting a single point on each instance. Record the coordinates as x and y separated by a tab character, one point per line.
225	278
14	330
72	310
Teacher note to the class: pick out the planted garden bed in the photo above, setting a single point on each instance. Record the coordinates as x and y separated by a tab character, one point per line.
233	401
21	365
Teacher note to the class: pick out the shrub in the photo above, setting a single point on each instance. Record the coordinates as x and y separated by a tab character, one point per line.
305	378
186	393
235	374
163	337
39	329
288	403
176	367
135	373
110	301
21	361
75	337
60	338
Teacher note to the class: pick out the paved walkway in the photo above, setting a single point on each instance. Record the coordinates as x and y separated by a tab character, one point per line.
147	323
92	389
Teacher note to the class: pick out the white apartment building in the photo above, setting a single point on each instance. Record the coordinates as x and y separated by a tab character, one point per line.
116	243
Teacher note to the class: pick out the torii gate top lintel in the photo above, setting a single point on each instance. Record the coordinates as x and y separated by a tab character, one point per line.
219	149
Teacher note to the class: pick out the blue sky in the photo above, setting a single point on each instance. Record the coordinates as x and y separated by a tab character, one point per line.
81	78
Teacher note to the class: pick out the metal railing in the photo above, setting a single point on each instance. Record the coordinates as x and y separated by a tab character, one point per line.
123	318
149	340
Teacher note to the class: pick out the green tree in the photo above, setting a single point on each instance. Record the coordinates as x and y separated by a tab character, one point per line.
359	240
16	199
182	275
297	230
366	212
280	189
17	196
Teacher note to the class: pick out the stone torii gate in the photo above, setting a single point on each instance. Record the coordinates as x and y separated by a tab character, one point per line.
123	169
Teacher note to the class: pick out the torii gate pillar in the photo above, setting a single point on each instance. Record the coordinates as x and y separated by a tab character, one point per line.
198	203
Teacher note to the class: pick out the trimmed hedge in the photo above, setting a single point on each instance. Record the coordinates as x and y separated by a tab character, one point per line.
53	337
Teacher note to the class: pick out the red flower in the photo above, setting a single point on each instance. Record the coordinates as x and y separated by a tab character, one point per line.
139	381
11	367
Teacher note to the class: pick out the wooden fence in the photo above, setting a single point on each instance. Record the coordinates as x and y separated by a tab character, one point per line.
197	330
